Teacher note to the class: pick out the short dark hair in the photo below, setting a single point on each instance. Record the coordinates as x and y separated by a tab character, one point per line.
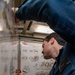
57	37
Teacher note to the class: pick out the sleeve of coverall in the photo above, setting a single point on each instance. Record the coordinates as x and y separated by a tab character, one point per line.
58	14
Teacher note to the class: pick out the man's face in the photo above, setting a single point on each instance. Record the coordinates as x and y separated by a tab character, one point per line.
48	49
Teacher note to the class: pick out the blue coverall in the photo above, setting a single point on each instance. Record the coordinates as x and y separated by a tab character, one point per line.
60	16
65	62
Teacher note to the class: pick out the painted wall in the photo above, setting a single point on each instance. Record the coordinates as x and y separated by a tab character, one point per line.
32	61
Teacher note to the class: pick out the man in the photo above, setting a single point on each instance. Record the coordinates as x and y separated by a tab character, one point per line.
53	48
60	16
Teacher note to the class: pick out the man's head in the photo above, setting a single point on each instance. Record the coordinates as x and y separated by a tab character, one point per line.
52	45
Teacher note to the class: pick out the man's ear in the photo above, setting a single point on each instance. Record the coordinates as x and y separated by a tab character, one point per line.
52	40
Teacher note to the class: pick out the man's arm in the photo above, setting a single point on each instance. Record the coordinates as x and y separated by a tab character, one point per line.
59	14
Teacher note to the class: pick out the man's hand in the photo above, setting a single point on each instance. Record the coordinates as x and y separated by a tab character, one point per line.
16	20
